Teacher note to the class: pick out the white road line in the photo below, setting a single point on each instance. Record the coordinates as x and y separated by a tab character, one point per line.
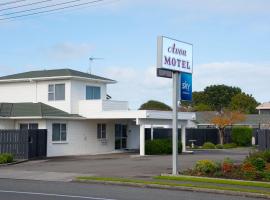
55	195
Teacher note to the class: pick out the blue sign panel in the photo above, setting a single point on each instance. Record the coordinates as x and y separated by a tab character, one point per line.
186	87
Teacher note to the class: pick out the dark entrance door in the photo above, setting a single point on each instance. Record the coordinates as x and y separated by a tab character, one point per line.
120	136
37	143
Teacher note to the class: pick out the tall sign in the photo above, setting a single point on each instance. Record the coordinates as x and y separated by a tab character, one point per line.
176	57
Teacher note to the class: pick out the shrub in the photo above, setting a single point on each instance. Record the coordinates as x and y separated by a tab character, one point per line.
249	170
219	146
265	155
259	164
242	136
160	146
6	158
206	166
229	145
227	165
208	145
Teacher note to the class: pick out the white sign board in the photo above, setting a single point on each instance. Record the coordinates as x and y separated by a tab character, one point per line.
174	55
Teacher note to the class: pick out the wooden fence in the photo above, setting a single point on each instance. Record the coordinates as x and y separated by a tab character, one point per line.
264	139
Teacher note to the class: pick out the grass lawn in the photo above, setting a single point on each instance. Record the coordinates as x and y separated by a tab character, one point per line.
230	187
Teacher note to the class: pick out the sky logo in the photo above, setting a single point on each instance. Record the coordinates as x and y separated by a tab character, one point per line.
186	87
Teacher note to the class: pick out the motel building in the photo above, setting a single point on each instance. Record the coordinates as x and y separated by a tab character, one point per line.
75	110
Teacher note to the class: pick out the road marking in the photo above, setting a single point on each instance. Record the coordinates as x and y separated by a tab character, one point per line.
55	195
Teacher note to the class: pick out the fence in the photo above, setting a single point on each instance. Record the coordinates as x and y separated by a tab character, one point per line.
264	139
24	144
199	135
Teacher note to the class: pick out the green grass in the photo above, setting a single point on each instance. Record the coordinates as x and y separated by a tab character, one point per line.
161	183
213	180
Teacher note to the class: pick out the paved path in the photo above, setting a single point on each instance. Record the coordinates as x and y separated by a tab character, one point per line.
113	165
39	190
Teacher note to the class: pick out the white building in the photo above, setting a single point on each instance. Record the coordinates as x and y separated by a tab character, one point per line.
74	108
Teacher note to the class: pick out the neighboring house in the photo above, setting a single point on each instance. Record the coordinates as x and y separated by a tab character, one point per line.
74	108
264	108
203	119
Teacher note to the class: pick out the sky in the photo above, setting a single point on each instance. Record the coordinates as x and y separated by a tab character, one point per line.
230	43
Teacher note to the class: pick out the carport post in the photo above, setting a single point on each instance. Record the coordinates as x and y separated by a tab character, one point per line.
183	137
152	132
142	140
175	122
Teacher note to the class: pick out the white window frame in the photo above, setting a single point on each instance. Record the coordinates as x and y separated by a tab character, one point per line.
92	86
53	92
61	132
101	131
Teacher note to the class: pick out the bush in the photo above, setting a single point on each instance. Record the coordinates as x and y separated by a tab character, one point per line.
206	166
6	158
208	145
242	136
229	145
219	146
160	146
259	164
265	155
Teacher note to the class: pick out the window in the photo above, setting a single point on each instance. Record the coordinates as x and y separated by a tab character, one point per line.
92	92
28	126
59	132
101	131
56	92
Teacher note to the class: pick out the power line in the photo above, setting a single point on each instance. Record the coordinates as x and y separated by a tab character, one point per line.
24	5
40	8
51	10
12	2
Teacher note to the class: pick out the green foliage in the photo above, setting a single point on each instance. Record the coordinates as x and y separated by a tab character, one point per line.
219	97
206	166
160	146
265	155
229	145
202	107
242	136
155	105
6	158
259	163
219	146
208	145
245	103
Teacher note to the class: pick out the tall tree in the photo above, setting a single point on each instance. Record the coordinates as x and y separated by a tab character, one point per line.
245	103
218	97
224	119
155	105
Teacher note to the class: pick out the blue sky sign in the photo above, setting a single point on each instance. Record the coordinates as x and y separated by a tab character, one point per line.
186	86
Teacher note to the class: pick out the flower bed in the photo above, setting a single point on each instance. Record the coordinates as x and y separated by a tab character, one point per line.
255	167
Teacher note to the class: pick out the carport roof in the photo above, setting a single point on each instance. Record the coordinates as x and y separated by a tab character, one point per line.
41	110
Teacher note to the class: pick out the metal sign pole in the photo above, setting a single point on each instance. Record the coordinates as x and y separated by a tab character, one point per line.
175	122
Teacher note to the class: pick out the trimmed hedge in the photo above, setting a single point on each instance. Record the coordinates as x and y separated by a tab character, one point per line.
160	147
6	158
208	145
242	136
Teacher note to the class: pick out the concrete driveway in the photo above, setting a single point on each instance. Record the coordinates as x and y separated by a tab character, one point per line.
113	165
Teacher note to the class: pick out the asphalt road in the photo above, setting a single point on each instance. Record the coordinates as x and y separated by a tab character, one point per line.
41	190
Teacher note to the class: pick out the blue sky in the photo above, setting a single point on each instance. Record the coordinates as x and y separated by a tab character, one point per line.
230	37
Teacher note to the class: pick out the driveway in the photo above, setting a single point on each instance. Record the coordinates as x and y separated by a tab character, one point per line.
113	165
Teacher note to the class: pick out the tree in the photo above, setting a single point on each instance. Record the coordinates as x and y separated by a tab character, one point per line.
224	119
245	103
202	107
218	97
155	105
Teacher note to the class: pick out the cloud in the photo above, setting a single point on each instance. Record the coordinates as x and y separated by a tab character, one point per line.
69	51
252	78
139	85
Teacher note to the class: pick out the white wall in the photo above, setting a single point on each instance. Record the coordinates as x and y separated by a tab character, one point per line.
81	138
7	124
78	91
133	140
41	123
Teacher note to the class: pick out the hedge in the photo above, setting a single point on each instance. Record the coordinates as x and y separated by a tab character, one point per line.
160	147
6	158
242	136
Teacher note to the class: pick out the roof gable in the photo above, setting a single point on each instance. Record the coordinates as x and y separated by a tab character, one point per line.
52	74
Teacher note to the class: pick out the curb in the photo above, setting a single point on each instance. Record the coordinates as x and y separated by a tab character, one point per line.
13	163
180	188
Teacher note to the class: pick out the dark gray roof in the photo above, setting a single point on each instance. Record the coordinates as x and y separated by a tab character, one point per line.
53	73
31	110
206	117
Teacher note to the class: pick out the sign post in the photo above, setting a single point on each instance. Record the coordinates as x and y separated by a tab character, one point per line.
175	123
175	56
